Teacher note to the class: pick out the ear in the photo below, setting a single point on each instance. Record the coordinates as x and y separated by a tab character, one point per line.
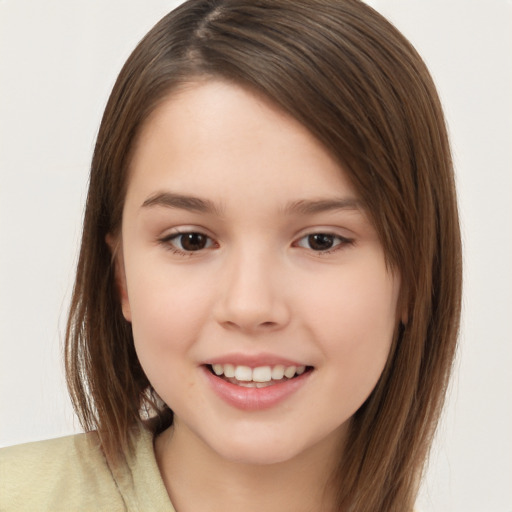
116	249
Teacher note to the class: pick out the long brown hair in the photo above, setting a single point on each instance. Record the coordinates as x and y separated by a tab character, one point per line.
358	85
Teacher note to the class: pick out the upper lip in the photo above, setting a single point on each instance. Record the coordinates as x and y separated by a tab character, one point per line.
253	361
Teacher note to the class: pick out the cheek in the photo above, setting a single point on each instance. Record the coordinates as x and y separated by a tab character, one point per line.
359	300
167	316
166	319
355	322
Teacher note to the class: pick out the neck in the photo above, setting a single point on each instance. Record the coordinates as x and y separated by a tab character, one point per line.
197	478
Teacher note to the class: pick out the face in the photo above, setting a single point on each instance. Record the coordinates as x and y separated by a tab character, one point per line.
261	305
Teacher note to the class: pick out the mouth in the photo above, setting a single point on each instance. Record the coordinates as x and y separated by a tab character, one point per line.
258	377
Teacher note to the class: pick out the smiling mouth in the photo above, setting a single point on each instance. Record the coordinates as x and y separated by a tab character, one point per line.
259	377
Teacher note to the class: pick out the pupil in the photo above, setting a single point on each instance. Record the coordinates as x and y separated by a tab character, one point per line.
320	242
193	241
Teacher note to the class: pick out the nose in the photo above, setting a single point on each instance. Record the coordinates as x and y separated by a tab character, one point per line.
252	294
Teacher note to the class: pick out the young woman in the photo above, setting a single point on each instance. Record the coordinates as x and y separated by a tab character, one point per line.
268	293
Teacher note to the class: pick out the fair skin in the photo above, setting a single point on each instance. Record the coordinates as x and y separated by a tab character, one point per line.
245	246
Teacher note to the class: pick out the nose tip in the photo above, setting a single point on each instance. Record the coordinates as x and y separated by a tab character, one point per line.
253	311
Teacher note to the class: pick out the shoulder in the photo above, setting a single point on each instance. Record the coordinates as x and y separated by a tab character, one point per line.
58	474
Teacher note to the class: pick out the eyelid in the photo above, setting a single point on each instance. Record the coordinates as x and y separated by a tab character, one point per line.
184	229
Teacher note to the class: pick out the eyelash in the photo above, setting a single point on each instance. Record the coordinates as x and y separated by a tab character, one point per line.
342	242
168	243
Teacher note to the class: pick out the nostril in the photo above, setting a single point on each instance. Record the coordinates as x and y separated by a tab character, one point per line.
246	325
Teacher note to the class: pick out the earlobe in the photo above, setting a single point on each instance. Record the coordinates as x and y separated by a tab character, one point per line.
116	250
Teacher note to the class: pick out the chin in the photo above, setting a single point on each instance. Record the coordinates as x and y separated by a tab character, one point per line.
249	448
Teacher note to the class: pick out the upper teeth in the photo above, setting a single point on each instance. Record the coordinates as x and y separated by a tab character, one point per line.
258	374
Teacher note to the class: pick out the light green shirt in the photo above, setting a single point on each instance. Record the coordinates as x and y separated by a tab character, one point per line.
71	474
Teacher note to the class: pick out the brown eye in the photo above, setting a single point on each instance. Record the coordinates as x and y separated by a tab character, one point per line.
191	242
321	241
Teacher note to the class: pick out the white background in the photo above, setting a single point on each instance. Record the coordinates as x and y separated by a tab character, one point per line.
58	62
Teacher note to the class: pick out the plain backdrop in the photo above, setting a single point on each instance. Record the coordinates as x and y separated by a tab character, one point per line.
58	62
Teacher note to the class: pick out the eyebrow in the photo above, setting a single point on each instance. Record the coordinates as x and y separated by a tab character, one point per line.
172	200
307	207
302	206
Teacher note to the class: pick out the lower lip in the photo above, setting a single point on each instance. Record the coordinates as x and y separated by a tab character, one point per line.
254	399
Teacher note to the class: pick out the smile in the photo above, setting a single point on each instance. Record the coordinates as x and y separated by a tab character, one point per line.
257	388
259	377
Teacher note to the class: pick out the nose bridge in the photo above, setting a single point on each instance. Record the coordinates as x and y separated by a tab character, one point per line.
251	293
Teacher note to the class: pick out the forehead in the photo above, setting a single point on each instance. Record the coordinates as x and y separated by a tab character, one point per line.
225	140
